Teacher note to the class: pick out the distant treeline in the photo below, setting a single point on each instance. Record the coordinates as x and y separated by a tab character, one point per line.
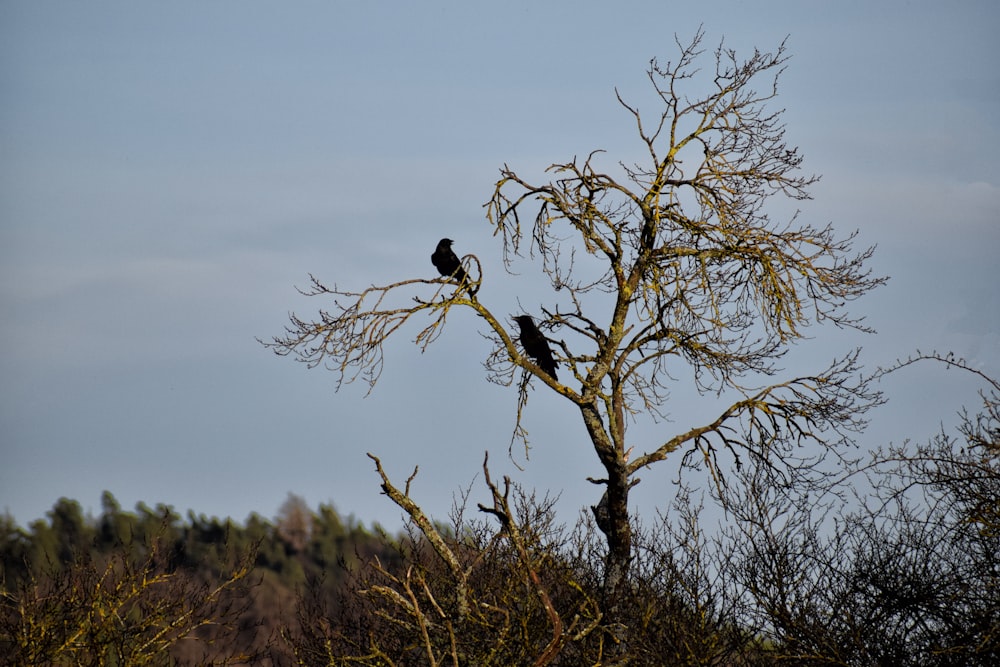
299	544
300	549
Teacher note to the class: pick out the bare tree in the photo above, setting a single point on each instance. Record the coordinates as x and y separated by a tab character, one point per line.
294	522
668	263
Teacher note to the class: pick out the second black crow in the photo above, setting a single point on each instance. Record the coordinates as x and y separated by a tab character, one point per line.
535	345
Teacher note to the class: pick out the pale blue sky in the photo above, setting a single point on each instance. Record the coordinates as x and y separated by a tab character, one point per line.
169	171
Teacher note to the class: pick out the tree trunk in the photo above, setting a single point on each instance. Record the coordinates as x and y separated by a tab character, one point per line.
613	520
619	536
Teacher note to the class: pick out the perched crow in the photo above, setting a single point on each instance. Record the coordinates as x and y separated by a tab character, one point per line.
535	345
447	262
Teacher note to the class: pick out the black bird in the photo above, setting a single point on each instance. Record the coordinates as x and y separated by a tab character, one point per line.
535	345
446	261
